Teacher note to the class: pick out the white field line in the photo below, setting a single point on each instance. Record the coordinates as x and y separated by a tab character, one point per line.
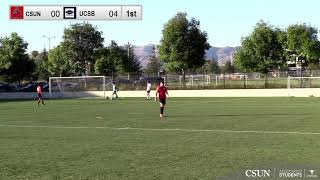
153	129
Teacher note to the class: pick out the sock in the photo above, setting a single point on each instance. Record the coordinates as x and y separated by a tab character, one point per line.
161	110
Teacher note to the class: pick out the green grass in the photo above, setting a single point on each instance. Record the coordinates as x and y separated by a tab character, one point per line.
106	153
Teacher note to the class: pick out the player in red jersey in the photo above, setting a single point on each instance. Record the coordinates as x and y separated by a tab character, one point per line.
39	92
162	95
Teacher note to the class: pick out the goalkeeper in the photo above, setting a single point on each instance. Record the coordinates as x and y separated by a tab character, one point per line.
114	91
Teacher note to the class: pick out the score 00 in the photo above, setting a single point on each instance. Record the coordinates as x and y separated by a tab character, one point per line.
55	13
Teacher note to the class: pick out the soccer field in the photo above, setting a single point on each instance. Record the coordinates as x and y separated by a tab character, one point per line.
200	138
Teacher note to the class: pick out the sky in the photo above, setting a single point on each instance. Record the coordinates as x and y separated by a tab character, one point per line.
225	21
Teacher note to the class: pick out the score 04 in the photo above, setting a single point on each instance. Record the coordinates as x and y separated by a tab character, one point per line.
113	14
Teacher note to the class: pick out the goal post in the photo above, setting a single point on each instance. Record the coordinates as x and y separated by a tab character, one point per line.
307	85
201	79
303	82
79	87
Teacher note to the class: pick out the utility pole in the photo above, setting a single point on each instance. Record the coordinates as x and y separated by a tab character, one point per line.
49	40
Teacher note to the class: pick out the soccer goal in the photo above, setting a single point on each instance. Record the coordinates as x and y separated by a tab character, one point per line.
195	79
311	85
79	87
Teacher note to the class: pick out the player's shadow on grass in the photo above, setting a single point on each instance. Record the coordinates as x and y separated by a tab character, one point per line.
237	115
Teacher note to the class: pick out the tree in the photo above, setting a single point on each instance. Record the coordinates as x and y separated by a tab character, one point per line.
41	60
60	63
15	64
302	41
243	58
229	67
197	45
105	64
261	51
314	57
209	67
112	60
115	59
154	65
183	44
132	64
125	60
34	55
118	55
83	41
214	67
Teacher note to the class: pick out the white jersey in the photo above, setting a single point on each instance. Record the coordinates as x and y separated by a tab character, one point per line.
149	87
114	88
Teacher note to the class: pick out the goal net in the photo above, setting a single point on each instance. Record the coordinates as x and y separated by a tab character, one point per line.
79	87
193	80
310	85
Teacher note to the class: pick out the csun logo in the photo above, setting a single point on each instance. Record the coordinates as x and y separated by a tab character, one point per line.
258	173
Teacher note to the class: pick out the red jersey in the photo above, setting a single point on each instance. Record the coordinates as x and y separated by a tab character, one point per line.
39	90
162	90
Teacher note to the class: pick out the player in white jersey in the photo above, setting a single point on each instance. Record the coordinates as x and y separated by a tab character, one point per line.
148	90
114	90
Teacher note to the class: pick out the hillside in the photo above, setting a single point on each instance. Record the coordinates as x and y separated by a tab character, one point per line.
221	54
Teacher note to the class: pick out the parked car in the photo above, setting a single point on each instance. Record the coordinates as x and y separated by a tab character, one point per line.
5	88
8	87
29	88
17	87
70	85
45	88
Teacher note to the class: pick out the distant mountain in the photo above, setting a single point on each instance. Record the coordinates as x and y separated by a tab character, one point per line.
220	54
143	53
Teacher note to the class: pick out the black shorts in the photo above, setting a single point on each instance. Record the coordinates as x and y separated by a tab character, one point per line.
162	101
39	95
148	91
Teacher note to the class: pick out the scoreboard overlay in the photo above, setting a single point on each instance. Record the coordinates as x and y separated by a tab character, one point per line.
75	12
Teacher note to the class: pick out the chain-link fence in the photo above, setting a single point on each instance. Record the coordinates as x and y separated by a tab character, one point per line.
201	81
221	81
